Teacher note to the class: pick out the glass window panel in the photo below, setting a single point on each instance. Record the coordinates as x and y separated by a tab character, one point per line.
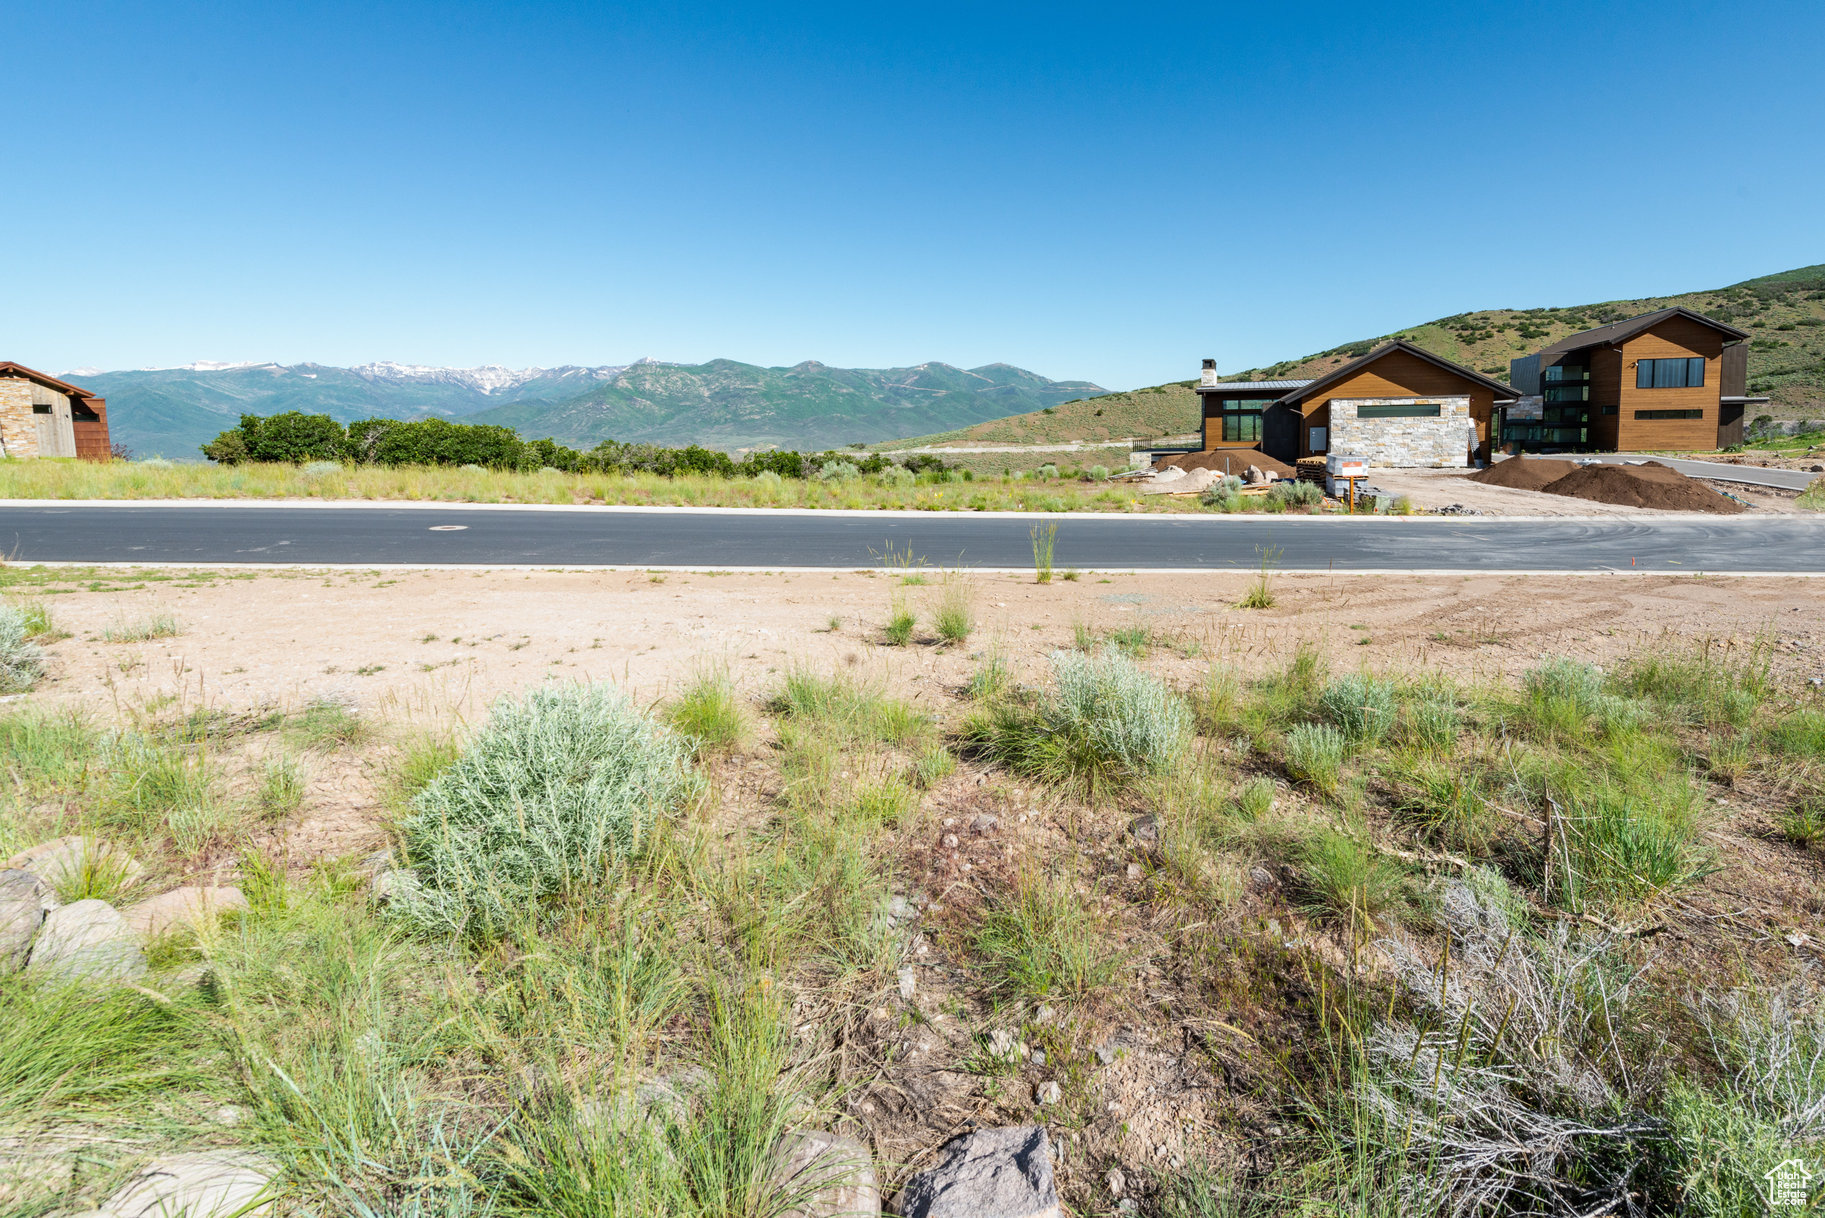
1644	374
1695	372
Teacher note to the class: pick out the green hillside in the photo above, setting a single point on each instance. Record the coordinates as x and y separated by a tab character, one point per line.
1784	315
725	404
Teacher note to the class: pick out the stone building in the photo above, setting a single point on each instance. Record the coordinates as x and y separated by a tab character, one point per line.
41	416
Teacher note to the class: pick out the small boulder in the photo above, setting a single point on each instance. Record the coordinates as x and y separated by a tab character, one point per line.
1253	476
205	1184
24	900
1145	830
991	1173
824	1175
65	861
89	941
189	907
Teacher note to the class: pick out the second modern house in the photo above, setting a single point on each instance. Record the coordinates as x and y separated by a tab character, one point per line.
41	416
1671	379
1399	405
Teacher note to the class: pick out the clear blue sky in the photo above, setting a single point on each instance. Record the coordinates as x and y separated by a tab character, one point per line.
1107	192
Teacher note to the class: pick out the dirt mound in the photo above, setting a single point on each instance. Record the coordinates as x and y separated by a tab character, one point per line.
1652	485
1524	473
1229	461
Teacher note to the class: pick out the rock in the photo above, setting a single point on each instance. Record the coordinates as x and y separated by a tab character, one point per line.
985	823
65	861
89	941
899	909
1116	1181
24	900
191	907
824	1175
1044	1014
1134	871
1105	1054
991	1173
206	1184
950	841
1253	475
909	984
390	885
1048	1092
1145	829
1037	1058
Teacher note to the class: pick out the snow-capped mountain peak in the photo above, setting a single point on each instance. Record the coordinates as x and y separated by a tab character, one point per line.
489	378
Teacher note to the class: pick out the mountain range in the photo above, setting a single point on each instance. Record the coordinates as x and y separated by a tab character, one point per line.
720	404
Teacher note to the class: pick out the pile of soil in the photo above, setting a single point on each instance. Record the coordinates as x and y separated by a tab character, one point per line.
1652	485
1649	485
1229	461
1525	473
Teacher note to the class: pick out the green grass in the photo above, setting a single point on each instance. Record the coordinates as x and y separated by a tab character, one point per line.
709	712
1315	753
324	726
1045	540
955	618
281	791
1347	880
1363	707
1040	940
900	624
73	1050
848	705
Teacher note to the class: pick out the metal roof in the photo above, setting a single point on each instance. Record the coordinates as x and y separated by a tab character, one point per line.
9	368
1617	331
1281	385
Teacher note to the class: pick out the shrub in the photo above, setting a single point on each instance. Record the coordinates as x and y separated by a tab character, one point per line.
319	469
838	471
441	442
1363	706
293	437
1315	753
1108	722
1297	493
1224	494
552	792
21	661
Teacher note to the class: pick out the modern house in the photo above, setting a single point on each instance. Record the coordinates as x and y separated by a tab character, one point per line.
1670	379
41	416
1399	405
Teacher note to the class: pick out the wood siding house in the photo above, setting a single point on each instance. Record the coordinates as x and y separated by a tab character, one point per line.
41	416
1399	405
1671	379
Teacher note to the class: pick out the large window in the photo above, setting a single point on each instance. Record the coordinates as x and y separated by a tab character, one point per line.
1669	414
1241	419
1398	410
1670	373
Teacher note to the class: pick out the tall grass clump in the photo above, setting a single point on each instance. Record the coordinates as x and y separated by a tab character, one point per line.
66	1047
552	792
1345	878
1297	493
709	712
1315	753
1710	683
954	620
901	623
1801	733
1107	722
1042	941
848	706
21	661
1260	594
1045	538
1363	706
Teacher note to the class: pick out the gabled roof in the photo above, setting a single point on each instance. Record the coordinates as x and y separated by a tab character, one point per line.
9	368
1314	388
1618	331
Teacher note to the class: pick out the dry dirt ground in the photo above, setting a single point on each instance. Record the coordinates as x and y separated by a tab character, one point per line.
1148	1085
428	647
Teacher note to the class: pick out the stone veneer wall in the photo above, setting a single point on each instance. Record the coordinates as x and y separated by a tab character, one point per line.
1443	442
18	431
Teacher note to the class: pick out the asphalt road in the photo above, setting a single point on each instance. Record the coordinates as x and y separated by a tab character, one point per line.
383	535
1720	471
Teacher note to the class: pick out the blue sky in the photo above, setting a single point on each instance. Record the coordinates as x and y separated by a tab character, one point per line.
1098	191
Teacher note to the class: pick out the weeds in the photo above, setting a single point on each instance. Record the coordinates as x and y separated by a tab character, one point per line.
1260	594
1107	723
1040	941
325	725
1045	537
21	661
142	630
900	625
1315	753
954	621
709	713
281	787
1363	706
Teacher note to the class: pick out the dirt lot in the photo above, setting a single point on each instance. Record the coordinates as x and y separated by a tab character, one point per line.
406	644
1431	489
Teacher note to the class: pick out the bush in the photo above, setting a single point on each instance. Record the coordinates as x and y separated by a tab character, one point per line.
1224	494
440	442
1108	721
292	436
1315	753
553	791
838	471
1297	493
319	469
21	662
1363	706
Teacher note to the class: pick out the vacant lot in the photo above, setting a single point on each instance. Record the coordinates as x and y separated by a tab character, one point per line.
1478	894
